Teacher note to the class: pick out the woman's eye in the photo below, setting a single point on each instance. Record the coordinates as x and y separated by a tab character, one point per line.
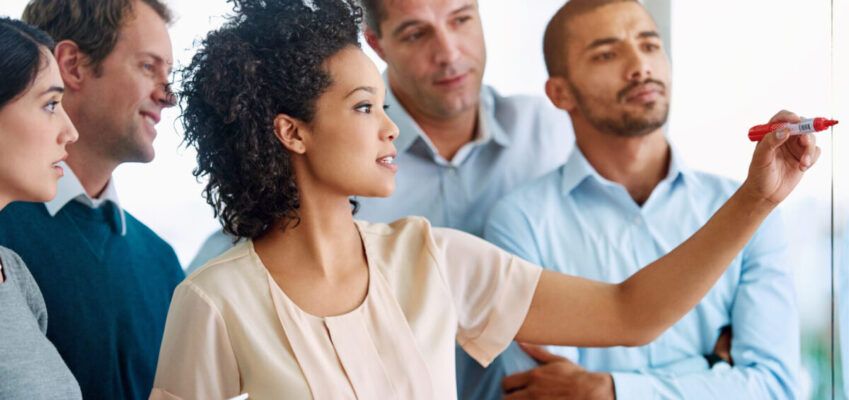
51	106
364	108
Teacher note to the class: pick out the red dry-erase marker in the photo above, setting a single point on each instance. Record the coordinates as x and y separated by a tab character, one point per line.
804	126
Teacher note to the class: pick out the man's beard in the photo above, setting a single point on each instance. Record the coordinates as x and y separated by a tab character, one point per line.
626	125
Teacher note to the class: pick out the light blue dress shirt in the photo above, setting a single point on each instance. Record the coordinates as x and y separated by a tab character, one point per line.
577	222
519	138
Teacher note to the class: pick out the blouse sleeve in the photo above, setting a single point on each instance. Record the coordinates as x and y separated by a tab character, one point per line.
491	290
196	360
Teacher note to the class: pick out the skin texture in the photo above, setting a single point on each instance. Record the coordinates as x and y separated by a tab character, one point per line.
435	57
116	110
34	131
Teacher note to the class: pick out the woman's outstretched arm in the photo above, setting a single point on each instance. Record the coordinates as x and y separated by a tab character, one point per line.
568	310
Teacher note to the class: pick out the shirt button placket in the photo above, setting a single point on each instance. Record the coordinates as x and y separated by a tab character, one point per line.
453	197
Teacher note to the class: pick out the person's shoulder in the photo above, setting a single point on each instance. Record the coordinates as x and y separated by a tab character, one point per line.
404	237
523	102
12	262
402	226
533	121
524	107
16	271
138	231
18	211
239	253
531	197
146	245
216	244
721	187
225	272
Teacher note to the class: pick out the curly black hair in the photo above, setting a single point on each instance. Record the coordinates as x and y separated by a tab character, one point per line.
267	59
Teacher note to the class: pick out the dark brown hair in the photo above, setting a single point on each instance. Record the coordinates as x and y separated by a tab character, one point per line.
22	47
93	25
375	12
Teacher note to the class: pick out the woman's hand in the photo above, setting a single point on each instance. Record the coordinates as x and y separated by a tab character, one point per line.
779	162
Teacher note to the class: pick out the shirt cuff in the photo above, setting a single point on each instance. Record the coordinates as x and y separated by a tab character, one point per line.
629	385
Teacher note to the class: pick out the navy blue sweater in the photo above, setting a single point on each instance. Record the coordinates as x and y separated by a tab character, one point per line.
107	295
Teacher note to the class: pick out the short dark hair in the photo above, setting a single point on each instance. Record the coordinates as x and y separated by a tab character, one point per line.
375	13
267	59
556	35
22	47
93	25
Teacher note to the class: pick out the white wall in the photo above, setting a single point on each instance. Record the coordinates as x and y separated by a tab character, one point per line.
735	63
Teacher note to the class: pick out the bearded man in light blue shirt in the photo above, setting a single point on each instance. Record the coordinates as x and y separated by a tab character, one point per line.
622	200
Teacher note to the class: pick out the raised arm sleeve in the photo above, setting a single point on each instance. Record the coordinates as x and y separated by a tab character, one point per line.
491	290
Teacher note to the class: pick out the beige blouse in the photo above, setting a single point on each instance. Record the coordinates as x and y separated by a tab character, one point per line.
232	330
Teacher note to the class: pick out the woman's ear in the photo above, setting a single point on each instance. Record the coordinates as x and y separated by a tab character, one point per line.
288	132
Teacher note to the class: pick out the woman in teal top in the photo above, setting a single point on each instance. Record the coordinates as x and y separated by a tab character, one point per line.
34	131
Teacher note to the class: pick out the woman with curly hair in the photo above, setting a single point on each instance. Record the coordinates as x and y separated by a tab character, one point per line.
34	131
286	114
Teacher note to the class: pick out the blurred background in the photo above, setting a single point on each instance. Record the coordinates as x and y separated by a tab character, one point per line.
734	65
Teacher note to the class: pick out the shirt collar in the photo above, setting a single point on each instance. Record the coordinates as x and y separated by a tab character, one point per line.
69	188
677	167
410	131
577	169
487	121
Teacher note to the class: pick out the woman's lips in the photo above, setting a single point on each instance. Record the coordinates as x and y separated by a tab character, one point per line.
388	162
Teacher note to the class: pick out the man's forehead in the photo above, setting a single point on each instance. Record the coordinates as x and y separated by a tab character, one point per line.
399	10
148	38
147	31
616	20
